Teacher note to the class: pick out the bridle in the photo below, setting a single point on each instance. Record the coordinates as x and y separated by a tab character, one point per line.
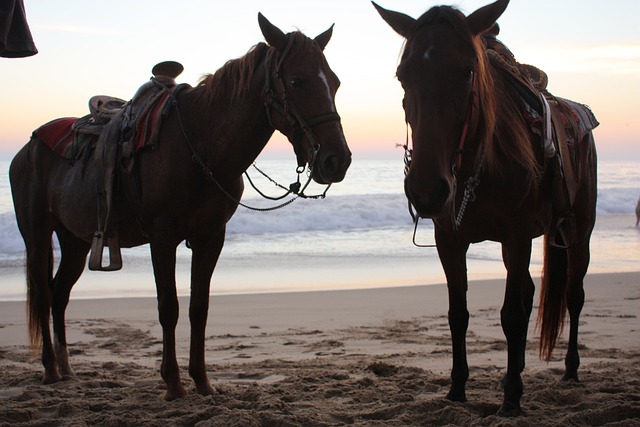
456	163
467	122
301	127
287	109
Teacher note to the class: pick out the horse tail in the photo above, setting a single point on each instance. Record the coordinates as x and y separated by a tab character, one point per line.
37	297
39	265
33	318
553	298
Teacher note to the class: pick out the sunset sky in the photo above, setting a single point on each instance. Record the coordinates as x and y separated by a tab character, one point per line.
589	48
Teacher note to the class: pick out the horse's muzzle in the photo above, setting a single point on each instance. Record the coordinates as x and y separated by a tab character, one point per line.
331	167
429	201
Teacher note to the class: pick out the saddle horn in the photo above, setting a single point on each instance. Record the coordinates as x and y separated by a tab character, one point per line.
168	69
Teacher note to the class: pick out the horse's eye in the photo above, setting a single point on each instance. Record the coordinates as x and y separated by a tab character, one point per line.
296	83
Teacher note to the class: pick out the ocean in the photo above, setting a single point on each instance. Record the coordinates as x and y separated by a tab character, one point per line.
359	236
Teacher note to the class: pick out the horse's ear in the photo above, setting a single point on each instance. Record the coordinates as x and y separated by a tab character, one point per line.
494	30
323	39
401	23
483	19
272	34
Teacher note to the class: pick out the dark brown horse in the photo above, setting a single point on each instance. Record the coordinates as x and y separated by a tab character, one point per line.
223	123
469	133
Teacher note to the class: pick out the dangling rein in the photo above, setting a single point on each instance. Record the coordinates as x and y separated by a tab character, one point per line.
293	188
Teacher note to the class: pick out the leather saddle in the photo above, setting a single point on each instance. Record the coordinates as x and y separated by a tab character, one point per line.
122	127
560	123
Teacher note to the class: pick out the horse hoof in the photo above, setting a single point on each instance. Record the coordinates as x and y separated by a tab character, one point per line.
570	377
175	392
66	371
456	396
206	389
51	376
510	410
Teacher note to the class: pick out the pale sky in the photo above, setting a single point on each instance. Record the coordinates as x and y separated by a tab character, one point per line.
589	48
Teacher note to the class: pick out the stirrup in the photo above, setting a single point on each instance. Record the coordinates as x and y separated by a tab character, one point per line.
97	253
562	233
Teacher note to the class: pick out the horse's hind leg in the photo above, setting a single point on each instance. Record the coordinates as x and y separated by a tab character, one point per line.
39	267
579	256
37	237
73	257
34	223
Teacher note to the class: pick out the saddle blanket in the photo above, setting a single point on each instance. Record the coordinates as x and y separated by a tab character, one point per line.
58	135
530	84
579	116
70	136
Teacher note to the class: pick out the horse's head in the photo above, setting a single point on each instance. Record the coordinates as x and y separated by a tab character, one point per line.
443	74
300	92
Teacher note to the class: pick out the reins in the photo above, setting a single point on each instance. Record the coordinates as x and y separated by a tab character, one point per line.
302	128
470	184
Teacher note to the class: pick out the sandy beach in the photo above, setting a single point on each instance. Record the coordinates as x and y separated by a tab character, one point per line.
378	357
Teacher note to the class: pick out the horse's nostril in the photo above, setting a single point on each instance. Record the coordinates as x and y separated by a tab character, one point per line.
332	168
330	164
441	191
432	202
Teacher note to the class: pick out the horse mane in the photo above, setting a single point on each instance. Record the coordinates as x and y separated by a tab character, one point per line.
233	80
510	140
507	140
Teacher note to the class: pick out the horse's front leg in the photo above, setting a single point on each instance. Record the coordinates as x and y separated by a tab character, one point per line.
163	256
453	259
203	262
514	317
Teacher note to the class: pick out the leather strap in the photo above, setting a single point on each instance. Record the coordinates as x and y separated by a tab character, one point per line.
562	148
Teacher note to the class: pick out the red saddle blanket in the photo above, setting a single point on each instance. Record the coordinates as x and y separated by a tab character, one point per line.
70	136
58	135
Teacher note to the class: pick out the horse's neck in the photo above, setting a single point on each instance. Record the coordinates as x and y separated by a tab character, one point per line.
230	134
